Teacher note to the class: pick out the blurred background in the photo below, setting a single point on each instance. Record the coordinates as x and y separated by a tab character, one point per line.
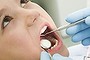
59	9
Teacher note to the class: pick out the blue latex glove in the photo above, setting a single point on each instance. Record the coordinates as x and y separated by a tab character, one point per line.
80	32
45	56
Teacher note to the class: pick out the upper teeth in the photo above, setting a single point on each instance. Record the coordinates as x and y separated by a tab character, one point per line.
43	29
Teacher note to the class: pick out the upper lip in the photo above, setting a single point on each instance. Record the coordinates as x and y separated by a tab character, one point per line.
54	34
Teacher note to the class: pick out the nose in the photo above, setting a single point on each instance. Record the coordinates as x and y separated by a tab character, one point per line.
29	16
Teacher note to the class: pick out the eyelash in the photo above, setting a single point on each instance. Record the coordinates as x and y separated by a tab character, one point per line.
6	21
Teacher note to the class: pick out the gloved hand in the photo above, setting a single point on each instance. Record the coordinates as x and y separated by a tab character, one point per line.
80	32
45	56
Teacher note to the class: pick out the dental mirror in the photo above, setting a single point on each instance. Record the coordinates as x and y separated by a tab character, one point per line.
46	44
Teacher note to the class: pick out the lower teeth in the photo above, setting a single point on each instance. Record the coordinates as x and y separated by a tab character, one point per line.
55	44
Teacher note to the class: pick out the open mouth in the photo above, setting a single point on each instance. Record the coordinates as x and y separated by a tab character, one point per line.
52	37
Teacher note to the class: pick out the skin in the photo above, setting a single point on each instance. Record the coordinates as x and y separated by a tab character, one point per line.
20	39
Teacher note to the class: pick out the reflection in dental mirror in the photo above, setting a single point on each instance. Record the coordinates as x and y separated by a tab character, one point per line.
45	44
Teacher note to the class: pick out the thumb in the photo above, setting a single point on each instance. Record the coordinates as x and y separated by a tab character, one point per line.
87	20
44	56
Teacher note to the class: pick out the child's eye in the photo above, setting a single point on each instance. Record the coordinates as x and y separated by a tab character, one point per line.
24	1
6	21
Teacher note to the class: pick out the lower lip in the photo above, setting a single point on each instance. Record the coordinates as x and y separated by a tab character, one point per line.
58	47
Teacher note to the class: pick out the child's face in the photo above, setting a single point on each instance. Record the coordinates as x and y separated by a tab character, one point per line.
20	29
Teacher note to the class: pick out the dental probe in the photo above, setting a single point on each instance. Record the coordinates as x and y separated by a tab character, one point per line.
65	26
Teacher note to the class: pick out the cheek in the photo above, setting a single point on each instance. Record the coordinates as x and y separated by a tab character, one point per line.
24	40
21	43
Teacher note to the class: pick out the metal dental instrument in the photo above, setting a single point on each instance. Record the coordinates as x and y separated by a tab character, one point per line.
48	53
87	57
46	49
65	26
